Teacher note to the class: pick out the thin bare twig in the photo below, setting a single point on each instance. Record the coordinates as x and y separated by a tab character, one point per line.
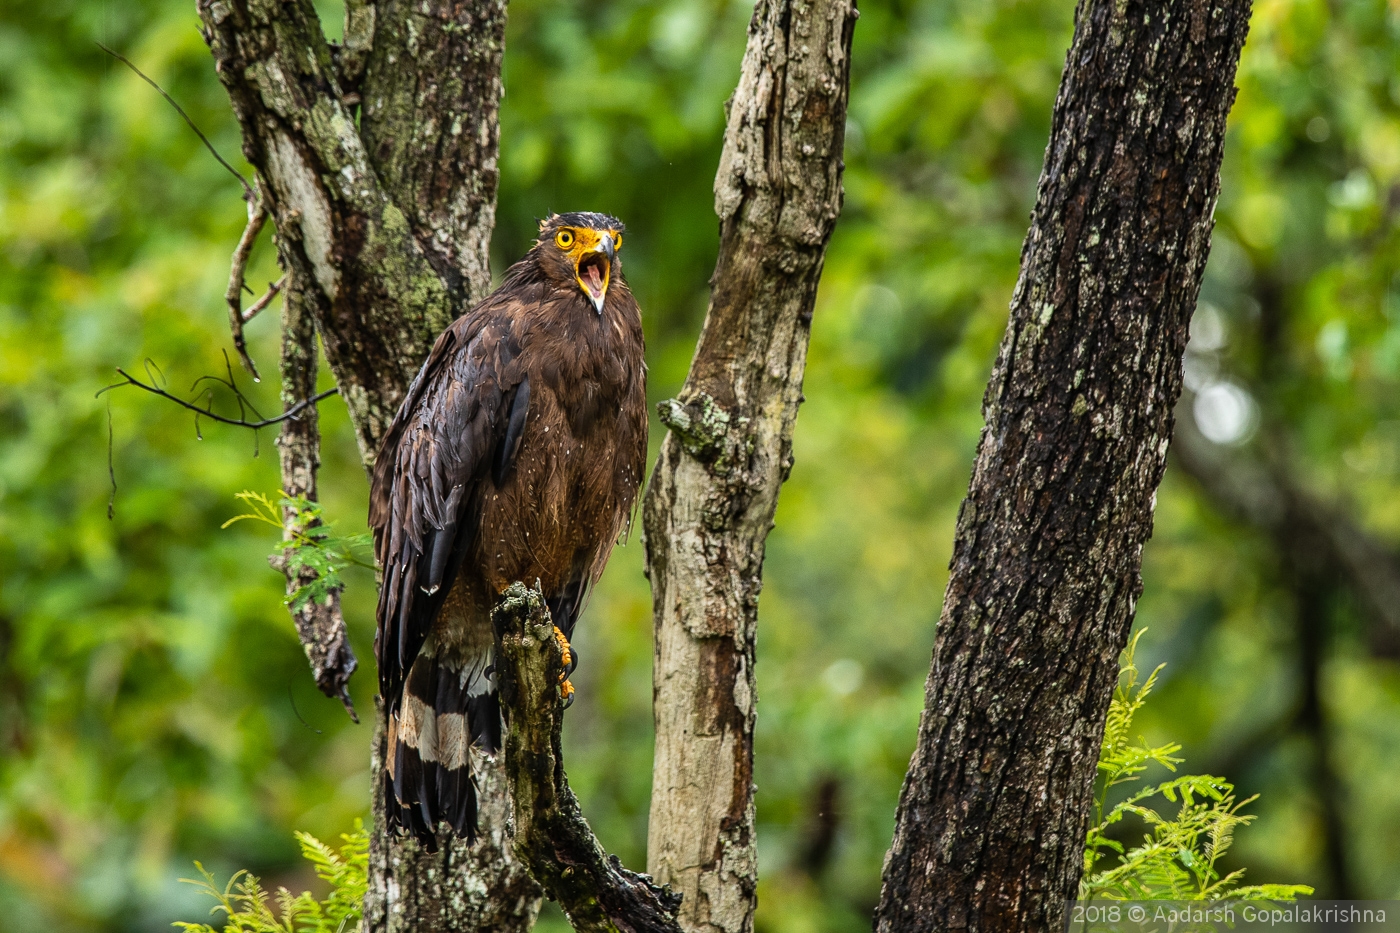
238	267
273	288
111	469
244	405
247	188
309	727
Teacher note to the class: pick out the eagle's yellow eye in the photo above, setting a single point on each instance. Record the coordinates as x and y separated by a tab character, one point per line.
617	241
565	239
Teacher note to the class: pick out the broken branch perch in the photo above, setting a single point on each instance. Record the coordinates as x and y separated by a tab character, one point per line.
551	835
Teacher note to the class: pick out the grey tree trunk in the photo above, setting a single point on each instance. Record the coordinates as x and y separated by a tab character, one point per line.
320	625
383	229
710	503
1046	562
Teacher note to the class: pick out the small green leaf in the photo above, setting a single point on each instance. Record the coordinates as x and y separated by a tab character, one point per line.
310	550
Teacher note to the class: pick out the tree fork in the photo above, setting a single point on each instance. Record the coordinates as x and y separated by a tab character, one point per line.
1047	555
386	234
711	499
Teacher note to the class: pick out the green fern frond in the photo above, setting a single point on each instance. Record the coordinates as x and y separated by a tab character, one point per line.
1178	857
247	908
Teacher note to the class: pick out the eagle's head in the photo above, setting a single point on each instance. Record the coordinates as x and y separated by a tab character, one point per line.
580	250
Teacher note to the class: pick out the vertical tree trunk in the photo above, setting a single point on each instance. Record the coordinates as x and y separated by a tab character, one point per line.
1046	563
711	499
384	228
428	118
320	625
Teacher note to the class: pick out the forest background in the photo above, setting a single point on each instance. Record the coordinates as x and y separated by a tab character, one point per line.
155	706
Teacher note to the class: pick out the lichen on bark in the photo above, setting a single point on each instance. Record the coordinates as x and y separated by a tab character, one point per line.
550	834
711	500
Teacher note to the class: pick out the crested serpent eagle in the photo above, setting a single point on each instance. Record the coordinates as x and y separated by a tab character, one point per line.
516	456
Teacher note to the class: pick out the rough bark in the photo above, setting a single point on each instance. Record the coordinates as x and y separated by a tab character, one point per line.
1047	555
377	301
320	625
422	120
385	226
712	497
550	834
459	887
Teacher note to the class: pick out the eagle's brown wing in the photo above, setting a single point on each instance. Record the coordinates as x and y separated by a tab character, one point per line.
461	421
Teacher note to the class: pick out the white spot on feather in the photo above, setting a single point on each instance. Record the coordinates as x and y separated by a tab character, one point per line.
452	740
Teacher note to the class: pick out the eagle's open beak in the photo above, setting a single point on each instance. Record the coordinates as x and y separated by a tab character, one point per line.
595	270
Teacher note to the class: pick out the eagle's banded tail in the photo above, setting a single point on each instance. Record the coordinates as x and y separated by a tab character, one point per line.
442	713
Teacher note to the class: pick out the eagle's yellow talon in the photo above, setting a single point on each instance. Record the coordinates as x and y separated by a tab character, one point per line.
568	653
566	689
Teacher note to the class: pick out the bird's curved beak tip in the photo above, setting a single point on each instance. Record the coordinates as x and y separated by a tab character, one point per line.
595	281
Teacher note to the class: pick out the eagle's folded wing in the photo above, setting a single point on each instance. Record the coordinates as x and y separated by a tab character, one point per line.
452	433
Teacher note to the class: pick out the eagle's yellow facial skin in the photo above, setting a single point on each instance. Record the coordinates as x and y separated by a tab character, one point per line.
591	252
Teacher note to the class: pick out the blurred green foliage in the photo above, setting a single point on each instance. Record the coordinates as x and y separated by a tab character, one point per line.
155	707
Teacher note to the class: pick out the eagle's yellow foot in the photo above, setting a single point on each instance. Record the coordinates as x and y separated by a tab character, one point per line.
566	689
566	649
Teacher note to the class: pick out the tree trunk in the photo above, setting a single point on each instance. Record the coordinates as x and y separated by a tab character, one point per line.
384	229
1046	562
320	625
710	503
428	120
